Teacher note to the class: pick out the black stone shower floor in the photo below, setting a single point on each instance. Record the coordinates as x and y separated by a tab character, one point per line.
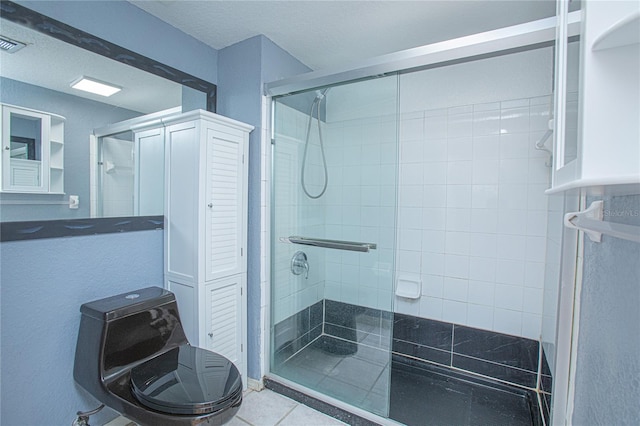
435	396
420	394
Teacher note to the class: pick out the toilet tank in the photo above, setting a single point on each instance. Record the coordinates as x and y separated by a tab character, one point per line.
119	332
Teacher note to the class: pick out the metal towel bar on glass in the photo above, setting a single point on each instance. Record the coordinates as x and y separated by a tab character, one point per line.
332	244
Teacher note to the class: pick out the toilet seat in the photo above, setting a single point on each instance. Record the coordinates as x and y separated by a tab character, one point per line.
186	380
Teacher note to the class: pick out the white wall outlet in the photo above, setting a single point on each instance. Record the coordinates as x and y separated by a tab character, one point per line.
74	201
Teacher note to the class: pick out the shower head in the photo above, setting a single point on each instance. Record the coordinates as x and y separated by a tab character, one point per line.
320	94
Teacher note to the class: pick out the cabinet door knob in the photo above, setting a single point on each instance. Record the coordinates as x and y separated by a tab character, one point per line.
7	148
210	205
211	335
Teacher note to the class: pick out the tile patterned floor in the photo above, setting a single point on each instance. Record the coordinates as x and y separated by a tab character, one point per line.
267	408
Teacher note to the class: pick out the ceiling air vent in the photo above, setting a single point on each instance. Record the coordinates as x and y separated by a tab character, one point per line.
9	45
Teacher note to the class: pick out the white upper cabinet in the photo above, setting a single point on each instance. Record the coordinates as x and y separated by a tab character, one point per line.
32	151
226	198
597	97
206	197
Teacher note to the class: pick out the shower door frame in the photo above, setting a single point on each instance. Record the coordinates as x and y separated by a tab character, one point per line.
523	37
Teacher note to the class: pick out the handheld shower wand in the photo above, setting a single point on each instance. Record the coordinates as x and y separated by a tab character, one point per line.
315	105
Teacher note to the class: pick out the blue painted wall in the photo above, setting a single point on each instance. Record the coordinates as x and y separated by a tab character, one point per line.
44	282
243	69
608	362
82	116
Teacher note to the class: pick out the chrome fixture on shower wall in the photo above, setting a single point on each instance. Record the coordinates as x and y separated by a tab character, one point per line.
300	264
315	105
543	140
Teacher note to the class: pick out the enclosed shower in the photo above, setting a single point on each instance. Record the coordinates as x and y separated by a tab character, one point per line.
335	185
414	253
127	170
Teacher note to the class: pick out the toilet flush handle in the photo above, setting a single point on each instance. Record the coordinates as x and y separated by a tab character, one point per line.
83	416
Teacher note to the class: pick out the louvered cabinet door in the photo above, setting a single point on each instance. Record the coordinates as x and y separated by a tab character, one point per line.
224	312
225	204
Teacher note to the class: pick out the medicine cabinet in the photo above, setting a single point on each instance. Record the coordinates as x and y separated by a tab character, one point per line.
32	151
596	131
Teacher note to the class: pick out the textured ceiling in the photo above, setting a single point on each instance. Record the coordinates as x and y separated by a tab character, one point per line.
324	34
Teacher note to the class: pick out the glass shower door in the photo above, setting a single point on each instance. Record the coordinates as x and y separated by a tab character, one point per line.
333	240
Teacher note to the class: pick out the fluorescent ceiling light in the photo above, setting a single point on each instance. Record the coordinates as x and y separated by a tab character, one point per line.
9	45
95	86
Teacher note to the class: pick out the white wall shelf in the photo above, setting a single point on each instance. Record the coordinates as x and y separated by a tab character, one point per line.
598	145
624	32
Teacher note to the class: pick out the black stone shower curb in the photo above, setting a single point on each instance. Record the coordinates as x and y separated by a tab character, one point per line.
316	404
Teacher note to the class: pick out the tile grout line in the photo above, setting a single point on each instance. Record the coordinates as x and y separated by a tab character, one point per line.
244	421
488	361
250	391
288	412
453	335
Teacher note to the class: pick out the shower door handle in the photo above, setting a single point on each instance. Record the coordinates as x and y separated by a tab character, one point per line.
332	244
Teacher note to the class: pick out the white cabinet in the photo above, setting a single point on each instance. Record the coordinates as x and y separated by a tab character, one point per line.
206	228
597	129
226	194
32	151
225	307
148	177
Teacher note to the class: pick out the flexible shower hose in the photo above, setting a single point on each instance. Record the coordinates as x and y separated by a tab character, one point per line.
314	105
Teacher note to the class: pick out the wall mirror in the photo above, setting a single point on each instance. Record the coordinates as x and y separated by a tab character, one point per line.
38	76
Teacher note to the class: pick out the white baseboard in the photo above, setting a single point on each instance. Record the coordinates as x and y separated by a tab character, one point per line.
256	385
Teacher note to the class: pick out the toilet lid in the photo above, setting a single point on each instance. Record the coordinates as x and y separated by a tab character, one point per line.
187	380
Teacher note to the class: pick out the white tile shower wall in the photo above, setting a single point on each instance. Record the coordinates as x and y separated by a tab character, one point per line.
473	215
295	214
482	82
472	209
360	199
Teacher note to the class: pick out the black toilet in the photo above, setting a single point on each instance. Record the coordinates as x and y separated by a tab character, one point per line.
133	356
